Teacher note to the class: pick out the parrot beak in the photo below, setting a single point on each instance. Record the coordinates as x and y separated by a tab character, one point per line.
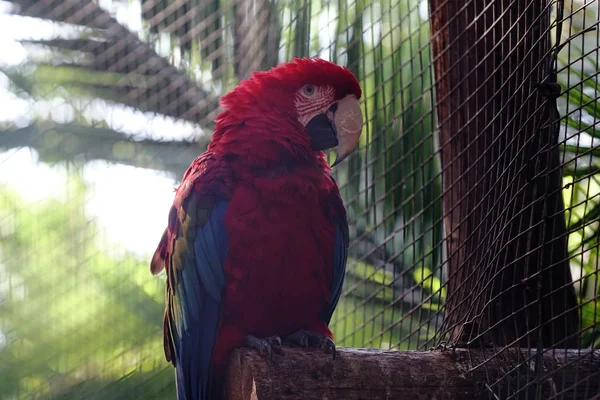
339	127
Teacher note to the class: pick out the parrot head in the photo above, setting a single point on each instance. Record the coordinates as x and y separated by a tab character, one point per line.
300	107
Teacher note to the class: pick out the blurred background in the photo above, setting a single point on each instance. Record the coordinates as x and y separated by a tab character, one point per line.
103	104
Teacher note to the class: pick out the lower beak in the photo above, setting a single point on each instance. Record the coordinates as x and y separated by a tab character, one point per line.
339	127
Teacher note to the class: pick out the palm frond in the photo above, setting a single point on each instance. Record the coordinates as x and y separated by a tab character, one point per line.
143	79
56	142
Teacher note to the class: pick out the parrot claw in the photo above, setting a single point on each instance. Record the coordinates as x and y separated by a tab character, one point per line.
307	339
264	346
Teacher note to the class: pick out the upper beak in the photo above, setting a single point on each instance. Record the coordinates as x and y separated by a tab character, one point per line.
340	126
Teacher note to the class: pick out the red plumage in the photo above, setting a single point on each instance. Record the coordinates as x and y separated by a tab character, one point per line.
283	209
280	266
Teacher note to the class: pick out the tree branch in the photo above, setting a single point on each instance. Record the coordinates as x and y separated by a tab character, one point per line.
377	374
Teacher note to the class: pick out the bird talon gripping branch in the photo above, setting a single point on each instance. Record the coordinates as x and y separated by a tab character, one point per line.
306	339
257	237
265	347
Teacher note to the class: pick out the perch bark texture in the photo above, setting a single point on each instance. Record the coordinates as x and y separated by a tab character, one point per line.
406	375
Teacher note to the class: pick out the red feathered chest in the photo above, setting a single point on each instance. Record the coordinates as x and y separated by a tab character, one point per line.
280	260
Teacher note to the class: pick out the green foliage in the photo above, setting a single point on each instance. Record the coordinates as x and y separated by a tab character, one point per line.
76	322
582	199
380	312
580	106
391	187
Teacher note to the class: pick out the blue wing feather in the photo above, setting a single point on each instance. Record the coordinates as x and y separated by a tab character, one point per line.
340	255
340	250
198	294
208	251
192	294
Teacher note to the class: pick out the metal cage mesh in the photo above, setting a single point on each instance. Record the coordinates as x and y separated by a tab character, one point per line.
472	199
507	78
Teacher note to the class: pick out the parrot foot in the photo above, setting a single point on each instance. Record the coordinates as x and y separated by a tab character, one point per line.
307	339
264	346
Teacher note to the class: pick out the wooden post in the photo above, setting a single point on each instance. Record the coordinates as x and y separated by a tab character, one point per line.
406	375
508	267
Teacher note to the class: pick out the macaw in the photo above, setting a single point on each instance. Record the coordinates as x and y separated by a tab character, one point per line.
256	243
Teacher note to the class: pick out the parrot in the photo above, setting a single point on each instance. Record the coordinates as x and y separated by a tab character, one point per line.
256	243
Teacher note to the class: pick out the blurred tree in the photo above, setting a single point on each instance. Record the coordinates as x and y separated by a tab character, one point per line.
504	213
105	61
75	321
391	185
103	338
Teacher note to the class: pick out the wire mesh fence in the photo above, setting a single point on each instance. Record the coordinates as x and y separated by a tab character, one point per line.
508	165
472	199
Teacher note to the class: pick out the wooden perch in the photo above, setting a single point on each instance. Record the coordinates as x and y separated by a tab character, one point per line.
411	375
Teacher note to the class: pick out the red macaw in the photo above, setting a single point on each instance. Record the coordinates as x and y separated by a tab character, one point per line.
256	243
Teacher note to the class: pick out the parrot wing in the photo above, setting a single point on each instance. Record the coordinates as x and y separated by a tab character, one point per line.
194	249
340	251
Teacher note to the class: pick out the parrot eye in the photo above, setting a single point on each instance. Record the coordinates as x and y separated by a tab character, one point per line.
308	90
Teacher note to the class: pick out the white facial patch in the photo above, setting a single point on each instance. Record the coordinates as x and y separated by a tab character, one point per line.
307	106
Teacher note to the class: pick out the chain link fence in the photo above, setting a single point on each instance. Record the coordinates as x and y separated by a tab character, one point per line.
472	199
